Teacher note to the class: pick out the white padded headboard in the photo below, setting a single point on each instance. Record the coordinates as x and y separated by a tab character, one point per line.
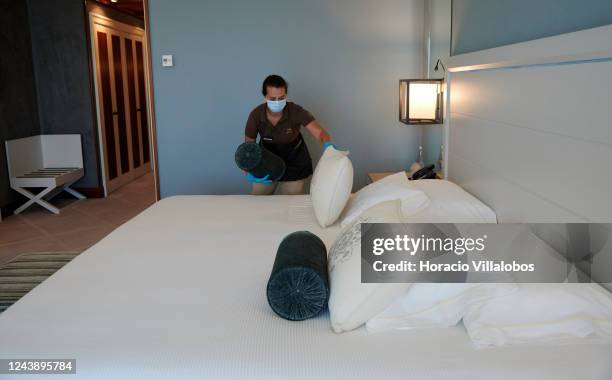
529	127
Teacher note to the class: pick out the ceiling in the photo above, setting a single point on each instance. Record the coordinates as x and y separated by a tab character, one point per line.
132	7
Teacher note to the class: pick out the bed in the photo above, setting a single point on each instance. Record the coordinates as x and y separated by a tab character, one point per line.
179	292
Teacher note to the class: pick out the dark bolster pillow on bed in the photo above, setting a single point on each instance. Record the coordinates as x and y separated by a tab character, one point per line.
259	161
298	287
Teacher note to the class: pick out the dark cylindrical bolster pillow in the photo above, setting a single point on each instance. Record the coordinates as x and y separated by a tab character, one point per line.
298	287
259	161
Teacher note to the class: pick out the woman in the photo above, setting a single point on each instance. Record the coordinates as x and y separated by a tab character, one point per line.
279	123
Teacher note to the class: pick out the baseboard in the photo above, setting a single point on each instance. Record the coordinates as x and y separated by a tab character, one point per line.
91	192
7	210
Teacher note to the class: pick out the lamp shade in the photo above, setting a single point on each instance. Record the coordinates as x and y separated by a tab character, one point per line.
421	101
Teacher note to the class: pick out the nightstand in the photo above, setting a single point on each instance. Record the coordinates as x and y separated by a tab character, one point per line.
377	176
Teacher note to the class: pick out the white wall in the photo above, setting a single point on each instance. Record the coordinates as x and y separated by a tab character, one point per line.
438	13
484	24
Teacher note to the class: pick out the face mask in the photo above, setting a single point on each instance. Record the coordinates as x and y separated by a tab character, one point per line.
277	105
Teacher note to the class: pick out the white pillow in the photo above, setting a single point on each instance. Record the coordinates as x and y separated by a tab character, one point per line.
351	302
392	187
542	313
331	185
427	305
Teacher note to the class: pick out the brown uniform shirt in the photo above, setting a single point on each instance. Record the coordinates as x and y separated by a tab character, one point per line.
285	131
284	139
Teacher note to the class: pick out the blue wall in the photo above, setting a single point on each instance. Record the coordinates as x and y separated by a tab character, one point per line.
343	60
483	24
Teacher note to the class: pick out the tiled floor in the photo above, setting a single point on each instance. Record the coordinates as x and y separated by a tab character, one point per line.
80	224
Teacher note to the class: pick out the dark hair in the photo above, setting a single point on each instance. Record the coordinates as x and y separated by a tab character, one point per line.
275	81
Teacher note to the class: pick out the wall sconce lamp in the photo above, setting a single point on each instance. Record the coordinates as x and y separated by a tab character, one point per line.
421	101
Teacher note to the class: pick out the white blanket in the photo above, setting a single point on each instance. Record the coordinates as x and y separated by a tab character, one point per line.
179	292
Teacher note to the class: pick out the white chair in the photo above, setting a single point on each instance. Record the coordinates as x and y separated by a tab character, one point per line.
53	162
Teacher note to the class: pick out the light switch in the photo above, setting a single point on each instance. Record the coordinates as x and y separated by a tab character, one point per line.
167	60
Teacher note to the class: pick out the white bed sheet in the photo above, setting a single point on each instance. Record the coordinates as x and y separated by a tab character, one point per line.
179	292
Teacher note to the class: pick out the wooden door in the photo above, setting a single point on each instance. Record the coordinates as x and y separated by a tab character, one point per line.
123	112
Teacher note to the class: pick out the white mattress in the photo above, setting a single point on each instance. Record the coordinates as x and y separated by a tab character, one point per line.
179	292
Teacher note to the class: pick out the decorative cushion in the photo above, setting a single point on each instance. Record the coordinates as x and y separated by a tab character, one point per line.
331	185
298	287
260	162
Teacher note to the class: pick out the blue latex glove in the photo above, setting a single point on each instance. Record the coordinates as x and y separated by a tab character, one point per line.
327	144
251	178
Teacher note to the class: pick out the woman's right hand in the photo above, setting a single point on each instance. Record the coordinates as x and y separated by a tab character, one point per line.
327	144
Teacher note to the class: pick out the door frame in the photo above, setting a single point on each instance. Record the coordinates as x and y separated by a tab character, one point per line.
150	95
104	21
